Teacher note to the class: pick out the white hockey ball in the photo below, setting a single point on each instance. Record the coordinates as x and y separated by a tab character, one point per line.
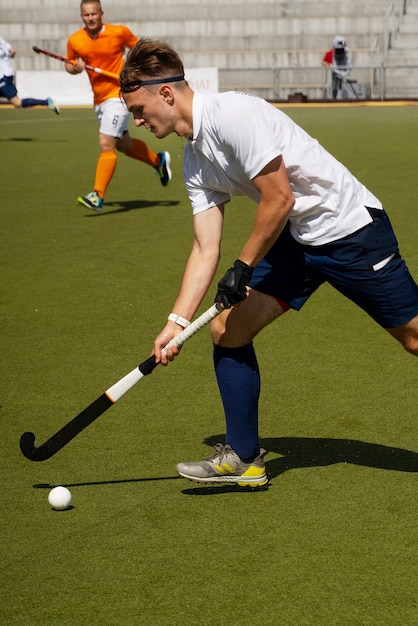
59	498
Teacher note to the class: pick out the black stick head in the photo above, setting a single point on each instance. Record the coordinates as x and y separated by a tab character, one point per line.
27	445
33	453
37	50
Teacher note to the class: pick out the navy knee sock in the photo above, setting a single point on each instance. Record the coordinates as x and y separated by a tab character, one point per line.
238	379
32	102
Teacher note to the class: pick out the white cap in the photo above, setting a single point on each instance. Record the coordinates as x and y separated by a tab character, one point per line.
339	42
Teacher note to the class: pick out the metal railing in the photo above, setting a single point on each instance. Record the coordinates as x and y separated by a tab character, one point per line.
379	79
374	81
393	19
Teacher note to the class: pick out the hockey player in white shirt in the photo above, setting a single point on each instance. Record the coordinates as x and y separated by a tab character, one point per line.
314	223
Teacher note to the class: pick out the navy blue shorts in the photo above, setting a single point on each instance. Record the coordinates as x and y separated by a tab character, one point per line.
366	267
7	87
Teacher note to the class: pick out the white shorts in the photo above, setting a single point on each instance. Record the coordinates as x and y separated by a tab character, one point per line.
113	117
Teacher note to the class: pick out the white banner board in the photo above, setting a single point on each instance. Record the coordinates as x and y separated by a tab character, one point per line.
76	90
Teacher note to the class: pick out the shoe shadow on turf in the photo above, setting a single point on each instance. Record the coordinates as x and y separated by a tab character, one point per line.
300	452
124	206
295	453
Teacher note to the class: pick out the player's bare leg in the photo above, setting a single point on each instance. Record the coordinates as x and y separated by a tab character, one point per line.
238	326
407	335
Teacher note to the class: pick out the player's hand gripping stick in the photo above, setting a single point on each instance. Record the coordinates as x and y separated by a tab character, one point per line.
232	288
108	398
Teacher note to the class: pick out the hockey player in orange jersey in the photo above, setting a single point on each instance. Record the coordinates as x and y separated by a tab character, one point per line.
103	45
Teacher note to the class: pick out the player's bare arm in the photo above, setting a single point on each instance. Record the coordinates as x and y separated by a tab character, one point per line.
75	68
276	202
198	275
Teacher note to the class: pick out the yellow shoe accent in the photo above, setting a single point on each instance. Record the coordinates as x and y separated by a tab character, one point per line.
255	472
225	468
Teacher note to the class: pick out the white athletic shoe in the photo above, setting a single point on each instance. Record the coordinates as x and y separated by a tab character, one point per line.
225	466
53	106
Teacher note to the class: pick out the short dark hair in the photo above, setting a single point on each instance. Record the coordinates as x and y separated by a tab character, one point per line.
150	59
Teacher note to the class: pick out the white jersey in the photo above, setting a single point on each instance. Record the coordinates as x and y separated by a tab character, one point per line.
6	68
236	135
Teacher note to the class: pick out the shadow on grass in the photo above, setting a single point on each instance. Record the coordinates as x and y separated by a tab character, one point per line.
18	139
28	139
123	206
299	452
105	482
295	453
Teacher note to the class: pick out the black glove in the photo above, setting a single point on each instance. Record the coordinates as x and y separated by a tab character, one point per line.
232	288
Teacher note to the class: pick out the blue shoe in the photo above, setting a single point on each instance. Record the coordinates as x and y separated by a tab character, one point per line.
53	106
163	169
91	201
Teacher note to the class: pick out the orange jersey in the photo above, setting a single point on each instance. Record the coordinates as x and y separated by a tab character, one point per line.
106	51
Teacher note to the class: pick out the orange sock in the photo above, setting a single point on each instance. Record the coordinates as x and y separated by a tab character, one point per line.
105	169
141	152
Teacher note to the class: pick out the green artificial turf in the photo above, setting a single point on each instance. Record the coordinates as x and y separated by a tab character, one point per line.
333	541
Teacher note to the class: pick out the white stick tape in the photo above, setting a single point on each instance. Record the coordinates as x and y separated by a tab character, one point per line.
127	382
195	326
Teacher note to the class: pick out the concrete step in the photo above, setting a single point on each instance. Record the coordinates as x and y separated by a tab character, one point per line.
412	9
315	27
24	38
122	5
222	59
405	74
409	27
217	9
296	42
401	60
405	42
238	34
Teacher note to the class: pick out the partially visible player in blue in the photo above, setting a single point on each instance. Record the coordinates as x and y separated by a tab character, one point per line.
315	223
7	86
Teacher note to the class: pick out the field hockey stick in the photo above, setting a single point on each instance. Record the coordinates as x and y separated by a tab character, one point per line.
108	398
72	62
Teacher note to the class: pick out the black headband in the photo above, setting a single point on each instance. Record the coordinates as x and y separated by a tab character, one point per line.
136	84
